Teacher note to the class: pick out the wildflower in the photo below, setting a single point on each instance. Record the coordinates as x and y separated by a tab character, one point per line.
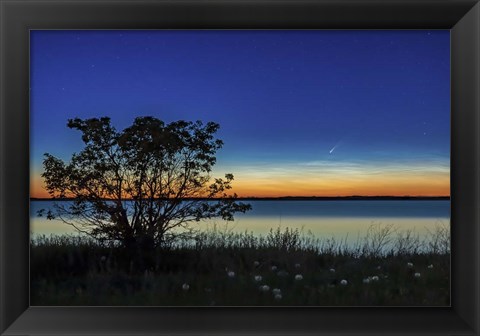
282	273
344	282
231	274
278	296
298	277
375	278
332	270
256	263
409	265
297	265
103	258
430	266
379	267
366	280
258	278
417	275
274	268
185	287
276	291
264	288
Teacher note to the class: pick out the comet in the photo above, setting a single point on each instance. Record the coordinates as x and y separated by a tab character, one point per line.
335	147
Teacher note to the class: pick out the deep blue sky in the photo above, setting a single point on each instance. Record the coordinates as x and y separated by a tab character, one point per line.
284	99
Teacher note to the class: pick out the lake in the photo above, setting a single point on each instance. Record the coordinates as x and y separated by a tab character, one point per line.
341	219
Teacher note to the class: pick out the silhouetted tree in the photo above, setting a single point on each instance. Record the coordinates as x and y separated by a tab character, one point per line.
142	186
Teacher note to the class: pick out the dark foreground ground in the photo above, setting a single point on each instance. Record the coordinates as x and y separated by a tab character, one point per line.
241	270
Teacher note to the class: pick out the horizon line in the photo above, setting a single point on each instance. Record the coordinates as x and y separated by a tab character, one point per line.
271	197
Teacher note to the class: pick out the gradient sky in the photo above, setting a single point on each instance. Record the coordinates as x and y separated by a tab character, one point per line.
311	113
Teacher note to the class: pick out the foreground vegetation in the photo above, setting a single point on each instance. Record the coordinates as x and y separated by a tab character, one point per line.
219	268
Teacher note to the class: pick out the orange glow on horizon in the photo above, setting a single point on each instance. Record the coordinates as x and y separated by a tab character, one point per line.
432	185
387	185
37	187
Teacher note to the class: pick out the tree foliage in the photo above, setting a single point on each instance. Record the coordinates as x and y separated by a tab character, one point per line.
142	186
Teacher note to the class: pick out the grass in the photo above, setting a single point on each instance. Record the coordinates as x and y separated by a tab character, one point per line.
218	268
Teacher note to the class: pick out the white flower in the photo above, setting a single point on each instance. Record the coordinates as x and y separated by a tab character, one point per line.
366	280
282	273
409	265
332	270
185	287
231	274
297	265
344	282
278	297
256	263
375	278
417	275
276	291
103	258
430	266
257	278
274	268
298	277
379	267
264	288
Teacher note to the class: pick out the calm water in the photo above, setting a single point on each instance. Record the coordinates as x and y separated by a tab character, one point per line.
339	219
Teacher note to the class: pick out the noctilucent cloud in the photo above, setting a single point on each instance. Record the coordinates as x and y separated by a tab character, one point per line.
302	113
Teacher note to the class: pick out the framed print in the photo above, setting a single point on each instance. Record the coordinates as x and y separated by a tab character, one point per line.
331	203
306	167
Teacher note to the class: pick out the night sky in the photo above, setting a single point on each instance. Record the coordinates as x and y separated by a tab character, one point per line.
308	113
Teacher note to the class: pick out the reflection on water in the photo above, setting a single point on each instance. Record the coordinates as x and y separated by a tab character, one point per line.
339	219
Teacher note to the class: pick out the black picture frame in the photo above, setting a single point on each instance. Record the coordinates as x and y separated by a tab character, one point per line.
17	17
